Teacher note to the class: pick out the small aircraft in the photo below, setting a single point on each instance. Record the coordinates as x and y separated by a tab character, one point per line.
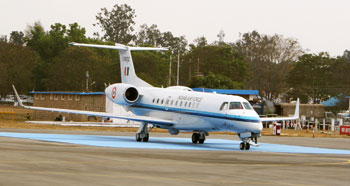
175	108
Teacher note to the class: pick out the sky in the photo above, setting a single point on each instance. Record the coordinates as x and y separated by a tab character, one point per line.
318	25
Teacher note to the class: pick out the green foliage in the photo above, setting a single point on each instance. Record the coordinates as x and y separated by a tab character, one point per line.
17	64
219	59
67	71
311	77
117	24
215	81
17	38
151	66
270	59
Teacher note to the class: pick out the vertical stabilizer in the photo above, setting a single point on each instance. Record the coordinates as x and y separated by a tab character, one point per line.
296	113
127	69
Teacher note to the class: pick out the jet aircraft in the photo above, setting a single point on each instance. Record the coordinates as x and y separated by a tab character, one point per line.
175	108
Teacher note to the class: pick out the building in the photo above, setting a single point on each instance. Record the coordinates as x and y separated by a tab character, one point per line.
307	110
92	101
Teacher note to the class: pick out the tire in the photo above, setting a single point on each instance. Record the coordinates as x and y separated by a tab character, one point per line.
138	137
195	138
145	139
241	146
247	146
201	141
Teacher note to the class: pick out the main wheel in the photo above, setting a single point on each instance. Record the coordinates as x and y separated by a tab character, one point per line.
247	146
145	139
201	141
138	138
241	146
195	138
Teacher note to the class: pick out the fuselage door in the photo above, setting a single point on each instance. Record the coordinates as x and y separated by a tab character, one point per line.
167	102
224	110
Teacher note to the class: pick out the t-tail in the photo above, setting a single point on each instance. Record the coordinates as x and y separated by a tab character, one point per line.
127	70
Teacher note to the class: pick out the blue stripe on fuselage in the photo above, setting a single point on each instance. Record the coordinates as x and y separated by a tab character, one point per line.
197	112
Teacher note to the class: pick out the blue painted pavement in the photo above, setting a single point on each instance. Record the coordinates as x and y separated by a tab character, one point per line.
169	143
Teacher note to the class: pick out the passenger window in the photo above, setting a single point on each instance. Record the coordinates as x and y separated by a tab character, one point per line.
224	106
153	100
236	105
157	101
176	103
247	106
185	104
162	101
171	103
189	105
180	103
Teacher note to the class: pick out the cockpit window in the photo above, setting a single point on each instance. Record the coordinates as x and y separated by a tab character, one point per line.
224	106
236	105
247	106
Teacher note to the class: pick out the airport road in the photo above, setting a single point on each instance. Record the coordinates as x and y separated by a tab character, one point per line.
32	162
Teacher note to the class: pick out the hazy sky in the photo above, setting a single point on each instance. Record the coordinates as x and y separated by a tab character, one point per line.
319	25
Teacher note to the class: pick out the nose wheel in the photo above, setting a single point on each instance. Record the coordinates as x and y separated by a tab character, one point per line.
244	146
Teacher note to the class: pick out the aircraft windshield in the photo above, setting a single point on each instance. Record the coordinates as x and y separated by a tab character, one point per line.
236	105
224	106
247	106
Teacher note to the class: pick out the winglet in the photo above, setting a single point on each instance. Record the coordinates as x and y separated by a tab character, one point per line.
296	113
17	96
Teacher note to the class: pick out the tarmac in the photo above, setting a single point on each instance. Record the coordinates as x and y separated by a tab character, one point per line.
58	157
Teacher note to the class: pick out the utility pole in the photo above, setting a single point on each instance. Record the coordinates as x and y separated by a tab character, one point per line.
171	53
198	67
87	81
178	67
189	69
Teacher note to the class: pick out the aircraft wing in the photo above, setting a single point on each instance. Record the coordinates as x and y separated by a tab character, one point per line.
295	117
151	120
279	118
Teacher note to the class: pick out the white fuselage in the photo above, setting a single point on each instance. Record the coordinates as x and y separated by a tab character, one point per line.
194	111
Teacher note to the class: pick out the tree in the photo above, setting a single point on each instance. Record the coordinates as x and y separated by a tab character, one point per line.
148	36
17	38
67	71
215	81
311	78
199	42
221	59
17	64
270	59
76	33
117	24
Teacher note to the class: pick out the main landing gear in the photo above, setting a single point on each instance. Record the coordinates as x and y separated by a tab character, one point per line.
199	137
143	134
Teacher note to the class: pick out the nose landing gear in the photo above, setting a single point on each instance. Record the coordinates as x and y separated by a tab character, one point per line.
248	139
244	146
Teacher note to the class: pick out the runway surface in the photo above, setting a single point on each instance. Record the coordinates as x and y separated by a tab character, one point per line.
169	143
63	157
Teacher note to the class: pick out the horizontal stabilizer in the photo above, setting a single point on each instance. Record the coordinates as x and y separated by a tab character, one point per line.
119	47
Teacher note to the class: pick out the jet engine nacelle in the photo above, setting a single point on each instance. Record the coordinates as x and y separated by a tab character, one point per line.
122	93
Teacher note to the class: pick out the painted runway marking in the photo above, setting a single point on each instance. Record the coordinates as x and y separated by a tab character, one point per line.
169	143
